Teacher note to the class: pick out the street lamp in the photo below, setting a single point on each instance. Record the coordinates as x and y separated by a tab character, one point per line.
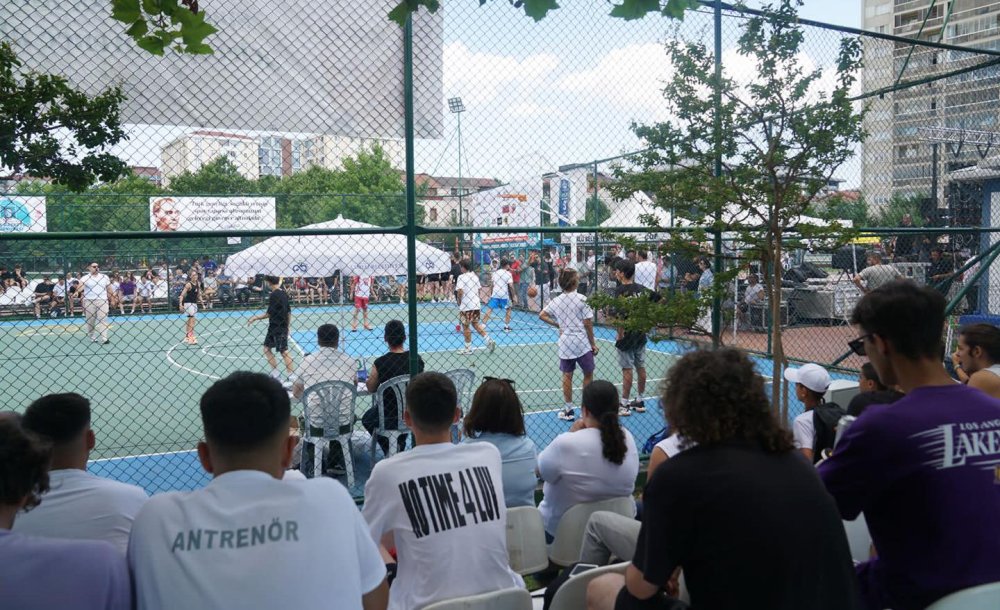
455	106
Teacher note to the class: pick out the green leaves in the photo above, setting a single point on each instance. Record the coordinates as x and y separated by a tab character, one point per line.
539	9
637	9
156	25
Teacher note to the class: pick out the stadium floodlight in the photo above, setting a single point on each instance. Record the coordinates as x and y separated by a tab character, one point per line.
455	106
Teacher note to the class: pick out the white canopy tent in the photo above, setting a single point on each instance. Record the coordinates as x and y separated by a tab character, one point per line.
323	255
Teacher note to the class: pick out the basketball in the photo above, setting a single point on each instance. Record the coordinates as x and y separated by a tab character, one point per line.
532	292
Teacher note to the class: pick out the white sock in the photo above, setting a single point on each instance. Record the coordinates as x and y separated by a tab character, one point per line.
570	406
275	373
468	345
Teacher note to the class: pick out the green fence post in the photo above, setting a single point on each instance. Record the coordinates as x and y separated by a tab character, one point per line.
717	136
411	195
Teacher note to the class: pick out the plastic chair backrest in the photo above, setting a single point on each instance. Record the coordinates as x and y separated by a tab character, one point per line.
983	597
323	406
572	595
463	380
396	385
565	548
505	599
526	548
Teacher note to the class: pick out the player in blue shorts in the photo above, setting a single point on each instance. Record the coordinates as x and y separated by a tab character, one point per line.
503	294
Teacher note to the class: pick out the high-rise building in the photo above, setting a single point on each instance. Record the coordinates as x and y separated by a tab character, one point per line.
898	158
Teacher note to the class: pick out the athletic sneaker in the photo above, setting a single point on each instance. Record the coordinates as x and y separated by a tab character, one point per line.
638	405
624	411
567	414
286	384
465	351
491	345
506	329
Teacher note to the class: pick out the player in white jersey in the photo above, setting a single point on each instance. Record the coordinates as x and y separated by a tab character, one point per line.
361	292
503	294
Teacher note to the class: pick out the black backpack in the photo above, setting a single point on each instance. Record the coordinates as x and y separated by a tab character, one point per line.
825	418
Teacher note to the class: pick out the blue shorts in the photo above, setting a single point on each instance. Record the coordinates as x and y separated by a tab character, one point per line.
496	303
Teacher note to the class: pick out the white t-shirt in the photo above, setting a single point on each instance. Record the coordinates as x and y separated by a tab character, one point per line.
83	506
501	281
570	309
145	288
363	288
59	290
444	506
468	283
95	287
645	274
672	445
328	364
879	275
575	471
753	294
803	431
248	540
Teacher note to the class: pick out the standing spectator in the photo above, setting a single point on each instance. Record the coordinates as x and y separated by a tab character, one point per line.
497	417
542	278
44	573
698	506
813	430
977	357
570	313
95	291
393	363
43	295
631	345
503	296
584	271
192	296
705	277
450	550
550	267
875	274
645	271
361	292
596	460
921	469
527	281
249	539
279	320
903	249
939	270
469	304
456	272
872	392
78	505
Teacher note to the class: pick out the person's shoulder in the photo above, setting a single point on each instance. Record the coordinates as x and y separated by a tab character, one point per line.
120	489
92	555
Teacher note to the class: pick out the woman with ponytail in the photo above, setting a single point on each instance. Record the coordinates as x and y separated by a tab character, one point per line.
596	460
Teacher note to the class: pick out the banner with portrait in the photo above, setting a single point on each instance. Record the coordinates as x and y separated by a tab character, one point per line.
22	214
211	213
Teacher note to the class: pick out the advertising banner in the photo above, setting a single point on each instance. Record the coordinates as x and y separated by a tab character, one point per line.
22	214
211	213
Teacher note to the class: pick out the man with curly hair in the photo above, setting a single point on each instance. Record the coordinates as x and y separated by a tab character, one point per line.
43	573
720	509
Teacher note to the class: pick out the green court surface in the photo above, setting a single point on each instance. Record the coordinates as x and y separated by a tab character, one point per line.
145	385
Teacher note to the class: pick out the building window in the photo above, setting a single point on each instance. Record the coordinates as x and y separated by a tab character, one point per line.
432	214
301	154
269	156
454	216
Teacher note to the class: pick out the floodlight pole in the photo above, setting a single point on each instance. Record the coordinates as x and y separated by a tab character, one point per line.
456	107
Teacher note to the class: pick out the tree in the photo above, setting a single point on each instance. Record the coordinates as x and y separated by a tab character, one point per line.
538	9
157	25
597	212
50	130
778	138
220	176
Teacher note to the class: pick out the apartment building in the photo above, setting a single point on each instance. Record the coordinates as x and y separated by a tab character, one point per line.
898	158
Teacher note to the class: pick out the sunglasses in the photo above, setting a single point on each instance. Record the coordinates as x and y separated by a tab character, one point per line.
858	345
510	381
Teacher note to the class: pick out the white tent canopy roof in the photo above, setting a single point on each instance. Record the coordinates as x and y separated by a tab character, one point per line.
322	255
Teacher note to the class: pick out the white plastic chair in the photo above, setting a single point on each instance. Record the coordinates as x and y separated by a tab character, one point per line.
504	599
323	406
572	595
568	539
463	379
983	597
526	549
396	385
858	538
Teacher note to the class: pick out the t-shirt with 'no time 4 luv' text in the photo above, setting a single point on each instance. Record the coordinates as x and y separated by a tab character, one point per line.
443	504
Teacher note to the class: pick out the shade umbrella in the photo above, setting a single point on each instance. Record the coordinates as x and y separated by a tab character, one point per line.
372	254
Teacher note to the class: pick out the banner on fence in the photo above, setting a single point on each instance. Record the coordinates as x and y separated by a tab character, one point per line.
211	213
22	214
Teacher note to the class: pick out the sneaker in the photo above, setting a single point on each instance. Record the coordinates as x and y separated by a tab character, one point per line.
624	411
193	341
465	351
567	414
638	405
491	345
506	329
105	342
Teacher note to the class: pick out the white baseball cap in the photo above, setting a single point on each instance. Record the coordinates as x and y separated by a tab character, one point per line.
812	376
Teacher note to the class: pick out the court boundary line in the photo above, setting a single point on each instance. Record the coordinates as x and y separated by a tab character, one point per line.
143	455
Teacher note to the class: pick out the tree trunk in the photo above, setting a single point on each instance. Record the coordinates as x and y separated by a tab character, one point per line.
777	349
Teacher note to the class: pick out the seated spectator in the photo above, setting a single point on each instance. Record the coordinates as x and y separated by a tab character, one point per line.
5	276
977	358
78	504
19	278
225	286
43	295
241	289
939	270
737	511
596	460
815	429
250	539
873	391
923	470
391	364
58	296
145	290
211	285
127	288
497	417
457	544
45	573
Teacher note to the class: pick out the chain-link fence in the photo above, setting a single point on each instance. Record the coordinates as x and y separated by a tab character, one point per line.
284	155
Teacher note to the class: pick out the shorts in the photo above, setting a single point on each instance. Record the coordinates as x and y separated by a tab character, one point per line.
361	303
441	278
127	298
586	362
423	278
496	303
632	358
659	601
276	340
191	309
469	317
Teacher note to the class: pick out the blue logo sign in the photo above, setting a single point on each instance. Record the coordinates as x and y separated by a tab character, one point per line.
300	268
563	202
